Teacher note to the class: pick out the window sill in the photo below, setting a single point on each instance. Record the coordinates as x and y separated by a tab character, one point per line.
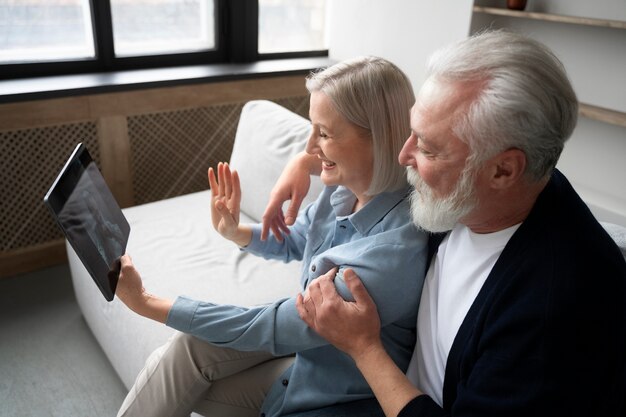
71	85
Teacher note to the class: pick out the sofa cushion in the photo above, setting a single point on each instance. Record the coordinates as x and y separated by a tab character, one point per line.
268	135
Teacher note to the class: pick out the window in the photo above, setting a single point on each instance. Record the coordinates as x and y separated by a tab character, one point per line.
291	25
45	30
148	27
50	37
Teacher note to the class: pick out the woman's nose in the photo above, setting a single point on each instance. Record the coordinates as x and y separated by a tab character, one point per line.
312	145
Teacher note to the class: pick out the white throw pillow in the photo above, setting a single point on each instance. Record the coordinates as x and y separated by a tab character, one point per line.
268	135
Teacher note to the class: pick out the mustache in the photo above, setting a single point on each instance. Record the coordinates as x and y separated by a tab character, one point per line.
413	177
439	214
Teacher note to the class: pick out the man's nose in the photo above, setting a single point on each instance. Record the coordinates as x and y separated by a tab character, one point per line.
406	156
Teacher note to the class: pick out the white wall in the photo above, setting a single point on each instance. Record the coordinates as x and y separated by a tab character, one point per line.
407	31
595	59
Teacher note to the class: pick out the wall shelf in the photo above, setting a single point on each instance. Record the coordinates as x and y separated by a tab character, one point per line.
601	114
606	23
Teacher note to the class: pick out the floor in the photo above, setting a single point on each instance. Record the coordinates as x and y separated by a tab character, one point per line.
50	363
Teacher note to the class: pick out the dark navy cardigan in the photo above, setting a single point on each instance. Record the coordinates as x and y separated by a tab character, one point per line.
546	335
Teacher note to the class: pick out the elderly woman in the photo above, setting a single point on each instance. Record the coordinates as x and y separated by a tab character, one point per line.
234	361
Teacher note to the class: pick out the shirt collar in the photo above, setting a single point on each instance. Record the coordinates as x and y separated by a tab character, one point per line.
342	201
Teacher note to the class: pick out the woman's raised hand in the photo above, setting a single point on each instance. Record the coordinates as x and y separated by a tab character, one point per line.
225	203
293	184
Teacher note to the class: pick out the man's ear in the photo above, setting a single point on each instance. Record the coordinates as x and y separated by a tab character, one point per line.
507	168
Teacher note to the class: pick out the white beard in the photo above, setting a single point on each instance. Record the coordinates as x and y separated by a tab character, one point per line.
441	214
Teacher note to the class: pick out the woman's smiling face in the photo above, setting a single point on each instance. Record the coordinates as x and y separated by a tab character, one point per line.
344	148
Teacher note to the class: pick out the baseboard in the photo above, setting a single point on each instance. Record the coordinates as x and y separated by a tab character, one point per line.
32	258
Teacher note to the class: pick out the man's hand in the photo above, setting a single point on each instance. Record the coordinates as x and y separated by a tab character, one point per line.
353	327
293	184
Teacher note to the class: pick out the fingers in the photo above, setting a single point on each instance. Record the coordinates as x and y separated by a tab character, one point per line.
356	287
322	288
317	293
315	297
273	220
226	186
268	219
276	232
126	261
278	227
224	179
221	186
306	312
220	178
292	210
265	227
213	183
327	285
228	182
227	217
236	189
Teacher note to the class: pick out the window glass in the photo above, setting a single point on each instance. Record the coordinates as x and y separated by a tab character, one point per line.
45	30
149	27
292	25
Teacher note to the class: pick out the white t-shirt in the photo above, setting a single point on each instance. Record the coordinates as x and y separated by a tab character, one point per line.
456	275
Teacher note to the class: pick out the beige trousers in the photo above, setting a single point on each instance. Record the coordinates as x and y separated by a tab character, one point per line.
187	374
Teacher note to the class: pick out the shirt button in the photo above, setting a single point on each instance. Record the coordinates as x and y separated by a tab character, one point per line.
285	382
313	268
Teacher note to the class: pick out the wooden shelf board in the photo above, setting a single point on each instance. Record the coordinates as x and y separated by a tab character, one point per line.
601	114
615	24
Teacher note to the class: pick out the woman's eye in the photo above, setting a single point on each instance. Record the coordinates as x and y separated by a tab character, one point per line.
323	135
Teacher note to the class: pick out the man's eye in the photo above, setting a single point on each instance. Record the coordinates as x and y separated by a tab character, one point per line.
424	152
323	135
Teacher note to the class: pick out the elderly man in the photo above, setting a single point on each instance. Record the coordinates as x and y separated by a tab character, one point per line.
523	310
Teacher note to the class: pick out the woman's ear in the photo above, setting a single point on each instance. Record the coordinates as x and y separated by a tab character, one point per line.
508	168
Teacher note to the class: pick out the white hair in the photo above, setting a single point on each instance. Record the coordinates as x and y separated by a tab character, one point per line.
526	100
375	95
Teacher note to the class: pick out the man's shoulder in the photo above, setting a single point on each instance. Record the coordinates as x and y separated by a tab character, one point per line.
560	219
561	243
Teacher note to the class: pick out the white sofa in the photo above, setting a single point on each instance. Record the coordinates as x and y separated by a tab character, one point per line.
177	251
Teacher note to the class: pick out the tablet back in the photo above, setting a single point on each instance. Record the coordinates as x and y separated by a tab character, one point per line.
92	221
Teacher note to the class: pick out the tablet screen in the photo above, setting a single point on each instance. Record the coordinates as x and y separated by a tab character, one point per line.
90	218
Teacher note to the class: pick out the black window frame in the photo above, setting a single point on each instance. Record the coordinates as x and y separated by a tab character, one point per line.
236	37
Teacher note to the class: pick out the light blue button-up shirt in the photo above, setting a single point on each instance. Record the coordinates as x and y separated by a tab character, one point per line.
386	251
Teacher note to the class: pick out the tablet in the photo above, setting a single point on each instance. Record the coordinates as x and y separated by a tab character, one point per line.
90	218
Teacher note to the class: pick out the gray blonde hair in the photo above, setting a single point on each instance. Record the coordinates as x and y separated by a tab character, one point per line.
526	100
375	95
